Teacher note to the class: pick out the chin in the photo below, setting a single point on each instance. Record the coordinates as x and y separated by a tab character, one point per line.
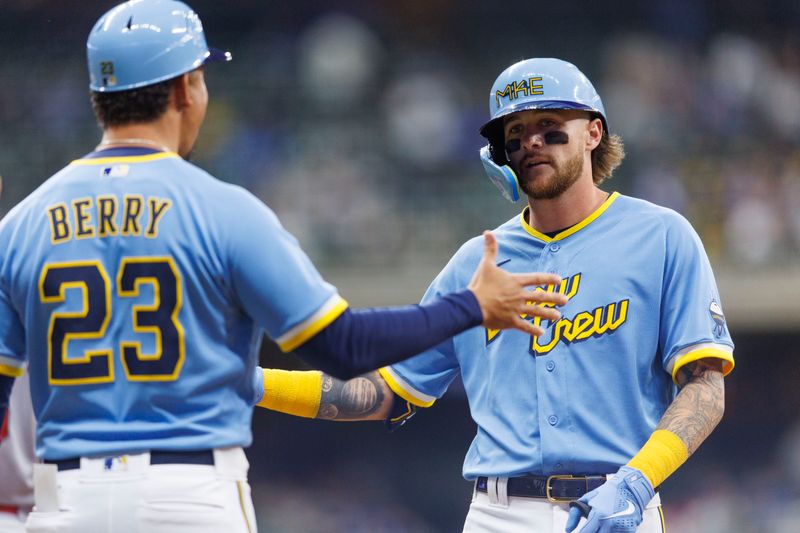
543	194
547	189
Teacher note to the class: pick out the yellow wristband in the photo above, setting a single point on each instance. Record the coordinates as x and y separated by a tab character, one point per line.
662	454
292	392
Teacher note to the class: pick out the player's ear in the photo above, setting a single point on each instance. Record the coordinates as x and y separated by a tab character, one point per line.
594	133
181	95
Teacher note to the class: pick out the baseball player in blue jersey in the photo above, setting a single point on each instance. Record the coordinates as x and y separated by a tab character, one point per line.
579	426
135	287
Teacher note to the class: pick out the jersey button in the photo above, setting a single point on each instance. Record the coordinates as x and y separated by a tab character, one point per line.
554	247
552	420
559	467
550	366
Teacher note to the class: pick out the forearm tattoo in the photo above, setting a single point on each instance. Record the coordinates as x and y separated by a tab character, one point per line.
354	399
698	408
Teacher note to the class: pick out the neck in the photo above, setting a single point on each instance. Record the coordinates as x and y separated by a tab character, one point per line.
577	203
150	135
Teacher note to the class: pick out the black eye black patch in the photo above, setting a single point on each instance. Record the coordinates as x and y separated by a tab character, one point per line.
556	137
513	145
551	137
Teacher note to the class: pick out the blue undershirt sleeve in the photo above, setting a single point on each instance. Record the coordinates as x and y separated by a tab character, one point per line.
362	340
6	383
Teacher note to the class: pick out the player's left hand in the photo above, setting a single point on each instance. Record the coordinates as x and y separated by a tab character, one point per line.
616	506
504	298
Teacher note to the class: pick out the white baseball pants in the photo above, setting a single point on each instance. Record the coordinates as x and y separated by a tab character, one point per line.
12	522
127	494
501	513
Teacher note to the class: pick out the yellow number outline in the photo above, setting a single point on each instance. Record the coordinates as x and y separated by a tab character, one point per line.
154	330
88	355
83	313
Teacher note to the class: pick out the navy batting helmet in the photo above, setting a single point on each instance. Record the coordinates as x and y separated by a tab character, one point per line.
142	42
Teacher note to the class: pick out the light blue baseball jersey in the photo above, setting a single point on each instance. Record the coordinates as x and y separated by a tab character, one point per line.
137	286
585	396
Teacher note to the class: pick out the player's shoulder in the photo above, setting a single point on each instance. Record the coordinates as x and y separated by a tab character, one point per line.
229	200
25	206
639	211
200	180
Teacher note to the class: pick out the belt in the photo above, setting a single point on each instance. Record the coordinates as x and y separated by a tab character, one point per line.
157	457
560	488
10	509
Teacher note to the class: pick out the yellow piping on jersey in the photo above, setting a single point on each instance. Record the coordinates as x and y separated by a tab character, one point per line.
11	371
400	391
704	353
125	159
304	331
571	230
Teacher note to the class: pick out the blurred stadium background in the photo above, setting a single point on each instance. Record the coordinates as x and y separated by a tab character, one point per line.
356	121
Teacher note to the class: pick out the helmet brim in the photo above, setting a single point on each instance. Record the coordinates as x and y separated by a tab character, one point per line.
489	129
215	55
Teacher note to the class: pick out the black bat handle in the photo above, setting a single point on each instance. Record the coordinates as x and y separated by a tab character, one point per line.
584	507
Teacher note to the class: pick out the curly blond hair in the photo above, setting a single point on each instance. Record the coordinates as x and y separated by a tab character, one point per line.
606	157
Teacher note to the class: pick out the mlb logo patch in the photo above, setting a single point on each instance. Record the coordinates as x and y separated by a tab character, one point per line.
119	463
115	171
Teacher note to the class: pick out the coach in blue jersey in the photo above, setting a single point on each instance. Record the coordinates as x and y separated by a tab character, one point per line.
579	426
136	286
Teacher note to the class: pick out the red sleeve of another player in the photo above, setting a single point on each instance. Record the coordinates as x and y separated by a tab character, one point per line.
4	429
6	382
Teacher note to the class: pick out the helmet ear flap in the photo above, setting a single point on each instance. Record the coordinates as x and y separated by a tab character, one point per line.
501	175
498	151
496	164
495	136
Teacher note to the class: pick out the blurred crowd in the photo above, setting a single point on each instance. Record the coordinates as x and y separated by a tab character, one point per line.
357	123
742	499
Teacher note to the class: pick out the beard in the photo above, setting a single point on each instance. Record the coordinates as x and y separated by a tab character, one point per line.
564	176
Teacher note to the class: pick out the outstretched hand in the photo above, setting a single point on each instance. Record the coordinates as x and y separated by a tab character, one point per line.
503	297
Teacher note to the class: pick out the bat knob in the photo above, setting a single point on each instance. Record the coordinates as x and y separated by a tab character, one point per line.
584	508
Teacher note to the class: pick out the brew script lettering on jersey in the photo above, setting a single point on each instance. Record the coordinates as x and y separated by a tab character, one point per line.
584	325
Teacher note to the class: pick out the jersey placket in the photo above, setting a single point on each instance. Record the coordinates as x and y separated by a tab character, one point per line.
551	384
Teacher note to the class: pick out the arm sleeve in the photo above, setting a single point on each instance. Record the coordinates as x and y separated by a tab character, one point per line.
422	379
281	289
692	323
6	382
362	340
